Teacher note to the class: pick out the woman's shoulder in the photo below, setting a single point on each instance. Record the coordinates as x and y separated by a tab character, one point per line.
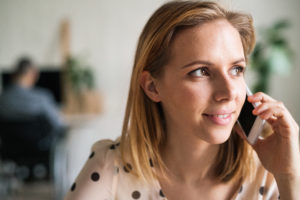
101	148
96	177
105	176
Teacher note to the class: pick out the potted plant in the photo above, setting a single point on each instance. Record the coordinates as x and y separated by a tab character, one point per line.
80	94
272	55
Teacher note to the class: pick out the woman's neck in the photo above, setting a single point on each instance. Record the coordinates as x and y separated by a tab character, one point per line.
188	159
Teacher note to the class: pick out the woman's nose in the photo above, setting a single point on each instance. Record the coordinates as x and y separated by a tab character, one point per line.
225	89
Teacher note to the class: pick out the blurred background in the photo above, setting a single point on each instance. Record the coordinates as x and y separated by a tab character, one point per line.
84	51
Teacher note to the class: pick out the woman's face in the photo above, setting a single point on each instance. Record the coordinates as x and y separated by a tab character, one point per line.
202	89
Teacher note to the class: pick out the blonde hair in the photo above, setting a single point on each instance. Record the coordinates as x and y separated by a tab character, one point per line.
144	127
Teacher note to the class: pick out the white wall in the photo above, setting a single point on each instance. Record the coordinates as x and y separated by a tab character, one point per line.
106	32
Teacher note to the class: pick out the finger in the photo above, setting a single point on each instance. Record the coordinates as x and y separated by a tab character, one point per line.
280	120
260	97
279	110
276	114
271	115
270	110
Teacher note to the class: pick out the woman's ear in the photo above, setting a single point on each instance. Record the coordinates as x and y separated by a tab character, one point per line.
148	84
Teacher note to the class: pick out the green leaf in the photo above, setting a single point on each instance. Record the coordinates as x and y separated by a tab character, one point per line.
280	61
80	75
281	24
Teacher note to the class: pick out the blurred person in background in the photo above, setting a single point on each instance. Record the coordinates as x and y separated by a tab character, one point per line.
30	124
22	101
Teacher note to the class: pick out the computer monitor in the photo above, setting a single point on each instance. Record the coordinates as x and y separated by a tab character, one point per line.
50	79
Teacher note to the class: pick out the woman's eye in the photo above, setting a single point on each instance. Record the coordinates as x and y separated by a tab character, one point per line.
237	70
202	71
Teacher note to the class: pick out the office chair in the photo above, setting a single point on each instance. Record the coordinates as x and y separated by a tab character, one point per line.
27	143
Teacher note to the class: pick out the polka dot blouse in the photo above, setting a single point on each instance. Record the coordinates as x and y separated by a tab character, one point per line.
105	178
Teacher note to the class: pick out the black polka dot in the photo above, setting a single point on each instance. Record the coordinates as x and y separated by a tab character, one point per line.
73	187
127	168
151	163
261	190
112	146
95	176
161	193
92	155
116	170
136	195
241	189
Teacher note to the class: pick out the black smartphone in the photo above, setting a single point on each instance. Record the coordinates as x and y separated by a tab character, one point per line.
250	124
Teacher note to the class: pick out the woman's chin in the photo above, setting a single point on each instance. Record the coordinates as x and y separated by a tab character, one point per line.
217	138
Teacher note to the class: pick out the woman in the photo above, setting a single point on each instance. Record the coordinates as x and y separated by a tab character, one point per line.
179	137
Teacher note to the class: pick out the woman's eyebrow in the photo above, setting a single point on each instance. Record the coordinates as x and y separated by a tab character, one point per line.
207	63
197	62
239	60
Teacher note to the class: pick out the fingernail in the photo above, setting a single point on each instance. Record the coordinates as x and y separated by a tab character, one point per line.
255	112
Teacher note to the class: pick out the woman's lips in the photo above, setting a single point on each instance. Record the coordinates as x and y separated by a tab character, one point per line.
219	119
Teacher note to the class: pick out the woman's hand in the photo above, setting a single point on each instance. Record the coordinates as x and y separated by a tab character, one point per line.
279	152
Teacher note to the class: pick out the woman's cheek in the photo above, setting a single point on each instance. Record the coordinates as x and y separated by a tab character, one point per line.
241	98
